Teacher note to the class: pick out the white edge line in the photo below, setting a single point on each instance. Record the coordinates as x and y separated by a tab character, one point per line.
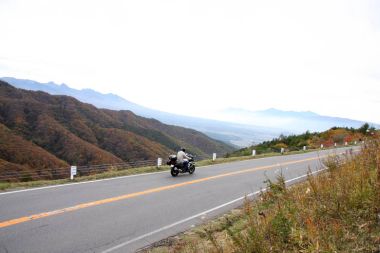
100	180
197	215
91	181
121	177
84	182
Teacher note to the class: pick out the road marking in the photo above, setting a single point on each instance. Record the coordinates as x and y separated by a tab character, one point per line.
12	222
137	175
176	223
84	182
108	179
198	215
114	178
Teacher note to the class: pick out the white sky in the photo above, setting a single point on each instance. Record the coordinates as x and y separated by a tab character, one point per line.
322	56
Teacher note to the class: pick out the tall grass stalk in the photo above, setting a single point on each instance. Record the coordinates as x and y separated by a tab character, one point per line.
337	211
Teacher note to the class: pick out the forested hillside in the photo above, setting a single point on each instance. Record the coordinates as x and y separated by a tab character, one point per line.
38	130
335	135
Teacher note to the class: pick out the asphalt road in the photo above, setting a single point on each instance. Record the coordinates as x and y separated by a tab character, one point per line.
127	213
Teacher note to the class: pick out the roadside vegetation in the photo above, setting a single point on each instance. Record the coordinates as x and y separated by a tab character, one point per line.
336	211
292	144
336	135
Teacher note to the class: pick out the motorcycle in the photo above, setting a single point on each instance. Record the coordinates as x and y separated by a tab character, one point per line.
176	168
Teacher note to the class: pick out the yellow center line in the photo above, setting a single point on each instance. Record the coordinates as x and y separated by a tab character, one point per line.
12	222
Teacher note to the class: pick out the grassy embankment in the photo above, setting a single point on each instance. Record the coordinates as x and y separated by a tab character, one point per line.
337	211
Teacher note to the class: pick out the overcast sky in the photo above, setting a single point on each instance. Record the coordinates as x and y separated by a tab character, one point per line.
198	56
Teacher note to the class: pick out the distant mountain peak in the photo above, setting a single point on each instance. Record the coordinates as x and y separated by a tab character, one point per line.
271	111
277	111
294	121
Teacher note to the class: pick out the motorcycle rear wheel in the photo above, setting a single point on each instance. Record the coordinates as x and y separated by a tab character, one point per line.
174	172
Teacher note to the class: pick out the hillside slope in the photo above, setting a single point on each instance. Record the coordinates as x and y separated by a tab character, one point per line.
330	138
235	134
18	156
66	131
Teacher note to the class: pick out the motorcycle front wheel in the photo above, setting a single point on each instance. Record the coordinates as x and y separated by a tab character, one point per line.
174	172
191	169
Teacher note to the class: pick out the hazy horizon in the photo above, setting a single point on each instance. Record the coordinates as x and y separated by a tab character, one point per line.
207	55
228	114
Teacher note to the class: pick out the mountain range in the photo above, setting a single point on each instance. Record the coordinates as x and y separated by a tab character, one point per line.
239	127
39	130
239	135
295	122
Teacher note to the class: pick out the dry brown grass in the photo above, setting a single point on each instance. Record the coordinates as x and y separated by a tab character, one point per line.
337	211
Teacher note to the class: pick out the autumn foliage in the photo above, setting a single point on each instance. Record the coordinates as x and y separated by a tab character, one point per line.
40	131
339	136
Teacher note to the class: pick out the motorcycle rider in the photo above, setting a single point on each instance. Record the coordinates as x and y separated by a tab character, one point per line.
183	159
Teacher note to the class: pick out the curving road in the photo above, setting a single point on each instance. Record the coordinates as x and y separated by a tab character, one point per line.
127	213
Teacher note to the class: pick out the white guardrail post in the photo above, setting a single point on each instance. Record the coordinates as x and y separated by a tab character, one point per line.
304	148
253	152
213	156
159	162
73	172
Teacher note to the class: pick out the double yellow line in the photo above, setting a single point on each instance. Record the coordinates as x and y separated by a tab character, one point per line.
12	222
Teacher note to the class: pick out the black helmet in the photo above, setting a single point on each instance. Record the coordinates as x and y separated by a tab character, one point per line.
183	149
